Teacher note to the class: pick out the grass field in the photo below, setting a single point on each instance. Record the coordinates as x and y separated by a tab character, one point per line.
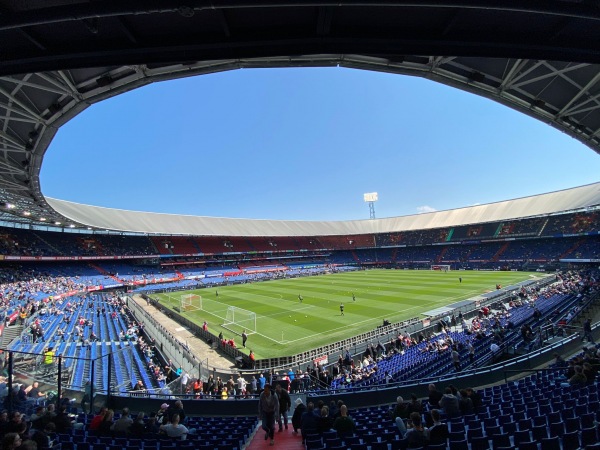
286	326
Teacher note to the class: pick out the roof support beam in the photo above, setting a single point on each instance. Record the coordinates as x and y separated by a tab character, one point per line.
16	119
35	85
26	108
552	73
9	138
11	169
582	91
512	73
66	88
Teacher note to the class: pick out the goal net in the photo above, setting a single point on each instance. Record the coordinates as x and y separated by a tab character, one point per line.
441	267
239	320
191	302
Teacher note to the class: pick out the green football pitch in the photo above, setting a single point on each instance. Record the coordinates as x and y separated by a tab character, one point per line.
286	326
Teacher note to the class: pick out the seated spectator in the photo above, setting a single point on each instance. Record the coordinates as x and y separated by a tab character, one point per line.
124	423
161	415
438	432
589	372
578	378
449	404
465	403
344	424
14	423
434	396
33	392
175	429
415	404
42	437
37	418
416	436
324	422
22	394
63	421
11	441
107	423
309	421
297	416
152	426
176	408
138	427
400	413
475	398
97	420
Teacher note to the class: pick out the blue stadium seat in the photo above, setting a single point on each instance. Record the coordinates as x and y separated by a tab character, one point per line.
570	441
552	443
589	436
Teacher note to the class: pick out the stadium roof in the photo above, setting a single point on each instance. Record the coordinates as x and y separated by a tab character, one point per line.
58	57
144	222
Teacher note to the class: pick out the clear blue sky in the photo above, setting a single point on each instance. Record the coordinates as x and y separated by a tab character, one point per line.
306	144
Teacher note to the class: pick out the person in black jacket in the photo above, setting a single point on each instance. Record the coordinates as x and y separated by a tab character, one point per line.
438	433
309	422
138	427
297	417
42	437
285	404
434	396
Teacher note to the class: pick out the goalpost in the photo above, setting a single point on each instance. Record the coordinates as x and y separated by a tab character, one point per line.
441	267
191	302
238	320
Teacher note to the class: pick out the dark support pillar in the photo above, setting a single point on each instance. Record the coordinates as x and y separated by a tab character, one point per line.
10	384
92	380
59	383
109	379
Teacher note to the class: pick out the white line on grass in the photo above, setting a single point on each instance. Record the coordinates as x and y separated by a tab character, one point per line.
353	323
372	319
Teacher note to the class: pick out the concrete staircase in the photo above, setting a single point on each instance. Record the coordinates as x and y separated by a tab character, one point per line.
9	334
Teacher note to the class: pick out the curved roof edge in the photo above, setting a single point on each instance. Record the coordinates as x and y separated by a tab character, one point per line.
171	224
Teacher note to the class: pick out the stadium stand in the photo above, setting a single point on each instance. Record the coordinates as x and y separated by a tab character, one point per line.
89	328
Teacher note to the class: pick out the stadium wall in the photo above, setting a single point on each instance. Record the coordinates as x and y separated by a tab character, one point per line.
169	346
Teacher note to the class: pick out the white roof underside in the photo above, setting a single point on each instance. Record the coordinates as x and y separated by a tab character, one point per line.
155	223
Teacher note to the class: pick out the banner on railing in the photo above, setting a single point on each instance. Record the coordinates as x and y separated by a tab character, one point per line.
321	360
73	258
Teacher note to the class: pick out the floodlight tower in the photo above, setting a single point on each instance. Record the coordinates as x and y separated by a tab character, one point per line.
371	198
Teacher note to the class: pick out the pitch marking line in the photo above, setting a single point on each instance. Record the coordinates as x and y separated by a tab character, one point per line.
312	334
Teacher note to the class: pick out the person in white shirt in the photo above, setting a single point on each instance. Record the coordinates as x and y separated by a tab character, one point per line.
185	379
241	385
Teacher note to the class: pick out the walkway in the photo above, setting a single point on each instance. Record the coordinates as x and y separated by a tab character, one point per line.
198	347
286	440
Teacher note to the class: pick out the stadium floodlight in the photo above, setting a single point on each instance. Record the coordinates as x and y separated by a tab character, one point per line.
371	198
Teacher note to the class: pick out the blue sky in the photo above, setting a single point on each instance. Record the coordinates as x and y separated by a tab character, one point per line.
306	144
